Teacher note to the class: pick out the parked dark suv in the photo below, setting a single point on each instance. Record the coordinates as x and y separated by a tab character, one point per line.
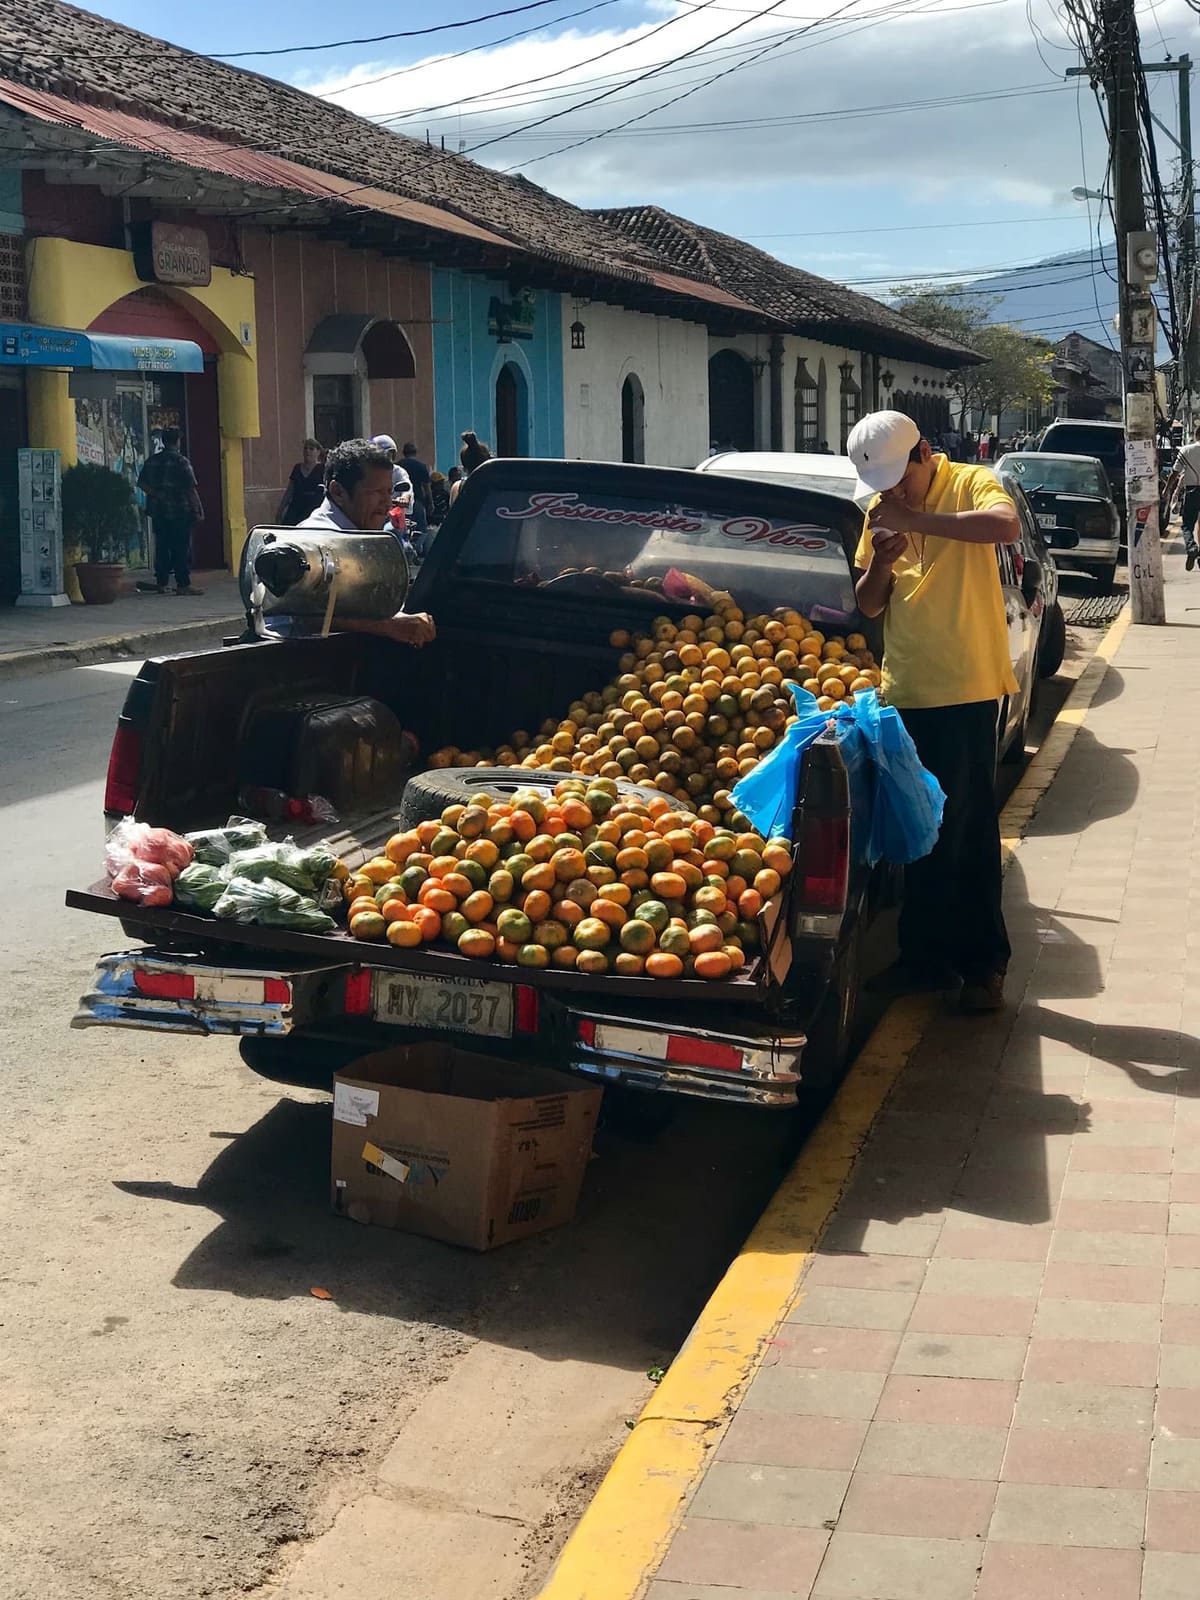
1071	436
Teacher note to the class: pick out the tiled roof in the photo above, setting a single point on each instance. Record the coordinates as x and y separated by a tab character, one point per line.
799	300
59	48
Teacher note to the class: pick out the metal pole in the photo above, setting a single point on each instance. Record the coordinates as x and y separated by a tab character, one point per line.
1189	354
1118	25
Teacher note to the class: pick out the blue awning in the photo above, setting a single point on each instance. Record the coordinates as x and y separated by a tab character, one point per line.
23	345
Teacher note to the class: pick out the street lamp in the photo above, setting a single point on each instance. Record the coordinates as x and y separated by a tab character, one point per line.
1080	193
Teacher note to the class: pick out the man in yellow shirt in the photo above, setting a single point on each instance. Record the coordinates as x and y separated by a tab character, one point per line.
927	563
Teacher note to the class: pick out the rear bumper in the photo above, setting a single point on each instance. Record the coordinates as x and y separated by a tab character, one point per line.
1090	553
170	993
746	1069
175	994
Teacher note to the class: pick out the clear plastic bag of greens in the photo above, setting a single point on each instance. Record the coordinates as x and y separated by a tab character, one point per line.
200	886
271	904
304	870
214	846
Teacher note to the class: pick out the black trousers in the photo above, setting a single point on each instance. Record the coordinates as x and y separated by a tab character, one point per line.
952	912
172	550
1189	511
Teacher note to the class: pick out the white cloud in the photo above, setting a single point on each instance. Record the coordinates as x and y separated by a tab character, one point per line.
975	154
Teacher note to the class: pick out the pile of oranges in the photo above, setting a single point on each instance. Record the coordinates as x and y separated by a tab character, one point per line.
585	880
694	707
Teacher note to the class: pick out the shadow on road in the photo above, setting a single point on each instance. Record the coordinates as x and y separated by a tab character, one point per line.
657	1225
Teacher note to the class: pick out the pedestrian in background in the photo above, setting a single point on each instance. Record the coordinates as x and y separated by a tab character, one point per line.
473	454
305	486
927	564
419	477
1185	477
173	502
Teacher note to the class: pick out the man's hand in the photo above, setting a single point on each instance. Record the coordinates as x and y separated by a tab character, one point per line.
888	546
893	516
415	629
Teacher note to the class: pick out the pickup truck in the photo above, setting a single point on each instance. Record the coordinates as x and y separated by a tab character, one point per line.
538	564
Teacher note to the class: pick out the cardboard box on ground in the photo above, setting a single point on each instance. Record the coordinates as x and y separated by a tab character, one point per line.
465	1148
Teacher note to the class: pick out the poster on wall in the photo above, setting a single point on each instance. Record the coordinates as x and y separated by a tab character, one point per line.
39	497
113	433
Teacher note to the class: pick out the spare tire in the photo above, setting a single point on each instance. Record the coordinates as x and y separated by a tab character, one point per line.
427	794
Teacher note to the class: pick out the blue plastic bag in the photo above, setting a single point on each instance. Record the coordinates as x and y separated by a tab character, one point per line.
908	799
766	797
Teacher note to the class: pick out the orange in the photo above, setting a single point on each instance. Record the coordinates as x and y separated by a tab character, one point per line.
368	925
662	965
749	904
608	911
404	934
592	934
428	921
458	885
477	943
533	955
706	937
506	949
536	905
767	883
400	846
637	938
778	857
427	832
542	876
591	961
668	886
478	907
397	909
485	851
565	956
437	898
567	864
629	965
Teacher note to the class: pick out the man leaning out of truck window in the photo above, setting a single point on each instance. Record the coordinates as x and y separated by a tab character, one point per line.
358	496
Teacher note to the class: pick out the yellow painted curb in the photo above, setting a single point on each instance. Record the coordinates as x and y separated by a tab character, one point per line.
627	1529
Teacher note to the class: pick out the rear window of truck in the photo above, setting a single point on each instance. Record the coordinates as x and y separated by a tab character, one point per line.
567	543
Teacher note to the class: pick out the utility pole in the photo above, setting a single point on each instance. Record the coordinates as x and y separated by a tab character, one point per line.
1137	263
1187	288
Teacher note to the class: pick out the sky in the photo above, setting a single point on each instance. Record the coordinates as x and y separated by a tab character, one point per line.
825	151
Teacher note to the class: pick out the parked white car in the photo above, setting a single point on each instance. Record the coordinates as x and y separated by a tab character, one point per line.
1020	576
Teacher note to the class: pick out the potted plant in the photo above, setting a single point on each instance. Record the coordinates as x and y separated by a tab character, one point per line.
100	515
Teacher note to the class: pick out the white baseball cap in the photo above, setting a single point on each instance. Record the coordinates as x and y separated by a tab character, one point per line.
879	446
384	441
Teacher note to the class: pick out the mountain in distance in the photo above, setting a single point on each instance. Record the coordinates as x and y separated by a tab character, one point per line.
1072	293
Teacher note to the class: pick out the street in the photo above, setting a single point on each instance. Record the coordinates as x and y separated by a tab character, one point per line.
181	1406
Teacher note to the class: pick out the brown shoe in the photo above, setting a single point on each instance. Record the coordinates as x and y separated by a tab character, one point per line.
191	589
982	995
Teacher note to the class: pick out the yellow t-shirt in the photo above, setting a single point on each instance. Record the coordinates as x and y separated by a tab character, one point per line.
945	635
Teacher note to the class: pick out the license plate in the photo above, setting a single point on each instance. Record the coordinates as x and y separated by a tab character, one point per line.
454	1005
1047	519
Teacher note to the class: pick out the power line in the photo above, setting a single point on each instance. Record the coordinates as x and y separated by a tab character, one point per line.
457	55
383	38
620	127
807	118
917	227
650	73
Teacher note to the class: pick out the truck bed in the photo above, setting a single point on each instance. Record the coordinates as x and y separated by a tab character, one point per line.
189	930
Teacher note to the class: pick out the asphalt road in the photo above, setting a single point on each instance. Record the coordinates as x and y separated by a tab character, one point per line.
177	1405
179	1408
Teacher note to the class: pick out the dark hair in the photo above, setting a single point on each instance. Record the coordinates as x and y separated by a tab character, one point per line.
313	444
170	438
473	453
349	461
454	475
915	453
410	449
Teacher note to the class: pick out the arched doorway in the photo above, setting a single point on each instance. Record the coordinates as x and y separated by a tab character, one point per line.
125	427
633	419
730	401
512	411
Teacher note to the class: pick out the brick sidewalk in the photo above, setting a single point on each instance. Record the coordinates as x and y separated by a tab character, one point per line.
989	1385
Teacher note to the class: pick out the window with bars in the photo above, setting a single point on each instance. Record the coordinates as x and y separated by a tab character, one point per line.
851	408
12	278
808	427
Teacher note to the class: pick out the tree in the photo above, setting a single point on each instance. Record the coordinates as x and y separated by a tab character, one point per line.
1016	367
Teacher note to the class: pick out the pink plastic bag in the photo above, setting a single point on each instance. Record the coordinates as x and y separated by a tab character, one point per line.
148	883
137	841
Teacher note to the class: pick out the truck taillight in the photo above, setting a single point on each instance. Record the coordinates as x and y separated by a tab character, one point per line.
527	1009
358	994
277	991
124	770
165	985
823	866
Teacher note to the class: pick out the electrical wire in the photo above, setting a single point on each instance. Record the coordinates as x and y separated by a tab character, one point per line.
457	55
383	38
1159	200
716	77
553	116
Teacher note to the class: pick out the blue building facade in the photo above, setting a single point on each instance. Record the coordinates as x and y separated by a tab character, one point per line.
497	367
